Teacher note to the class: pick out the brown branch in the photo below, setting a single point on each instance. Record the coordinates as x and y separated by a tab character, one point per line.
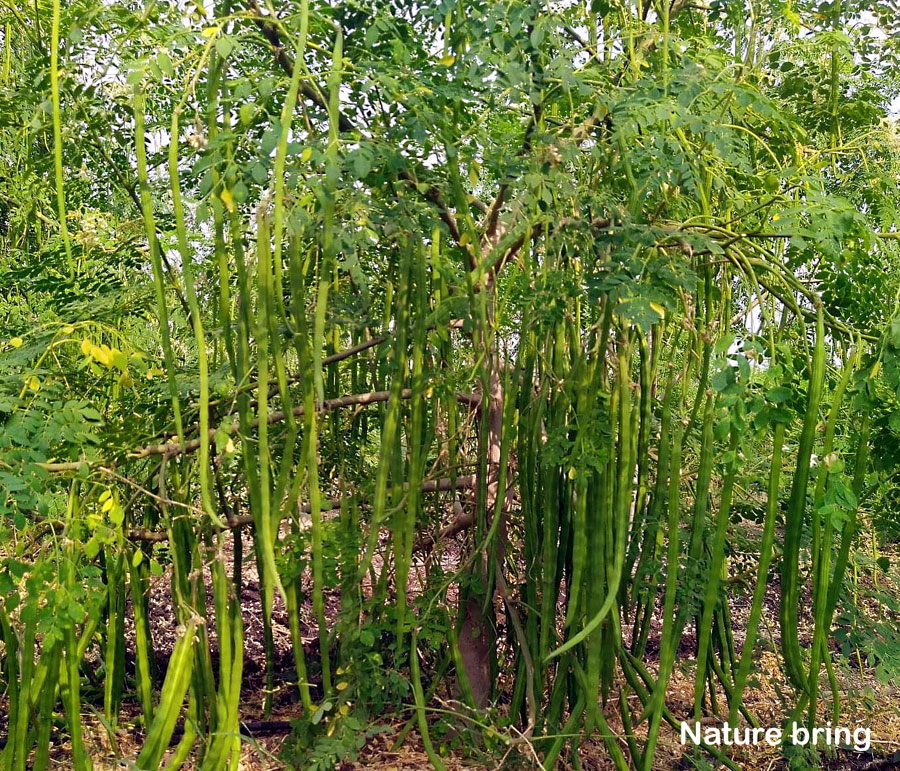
274	388
463	520
333	504
509	253
434	195
347	353
171	449
271	34
491	230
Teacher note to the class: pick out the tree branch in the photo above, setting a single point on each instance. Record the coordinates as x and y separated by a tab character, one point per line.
333	504
171	449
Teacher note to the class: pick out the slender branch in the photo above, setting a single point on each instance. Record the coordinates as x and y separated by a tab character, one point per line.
334	504
463	520
171	449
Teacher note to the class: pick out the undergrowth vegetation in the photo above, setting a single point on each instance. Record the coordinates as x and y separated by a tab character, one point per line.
500	350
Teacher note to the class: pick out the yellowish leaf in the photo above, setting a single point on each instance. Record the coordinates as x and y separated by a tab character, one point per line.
100	355
210	32
227	198
117	514
16	342
448	60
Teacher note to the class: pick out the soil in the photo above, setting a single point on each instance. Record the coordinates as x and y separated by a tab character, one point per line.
865	701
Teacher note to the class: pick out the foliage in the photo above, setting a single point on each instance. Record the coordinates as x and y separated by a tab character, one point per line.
492	324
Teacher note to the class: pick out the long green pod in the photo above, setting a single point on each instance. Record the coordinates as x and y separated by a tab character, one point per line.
196	317
265	537
390	426
233	711
794	518
674	623
586	427
81	761
287	115
139	586
293	612
220	585
72	694
606	734
13	688
622	509
328	211
174	688
115	636
638	529
50	661
552	515
649	562
162	309
762	574
654	709
569	730
415	440
310	462
711	596
701	500
186	744
637	676
851	528
419	698
317	546
823	540
16	746
57	135
230	669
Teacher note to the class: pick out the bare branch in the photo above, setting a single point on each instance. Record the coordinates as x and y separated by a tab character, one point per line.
334	504
171	449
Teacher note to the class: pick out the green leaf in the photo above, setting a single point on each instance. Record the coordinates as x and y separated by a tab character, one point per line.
224	46
92	547
894	422
779	394
246	112
117	514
